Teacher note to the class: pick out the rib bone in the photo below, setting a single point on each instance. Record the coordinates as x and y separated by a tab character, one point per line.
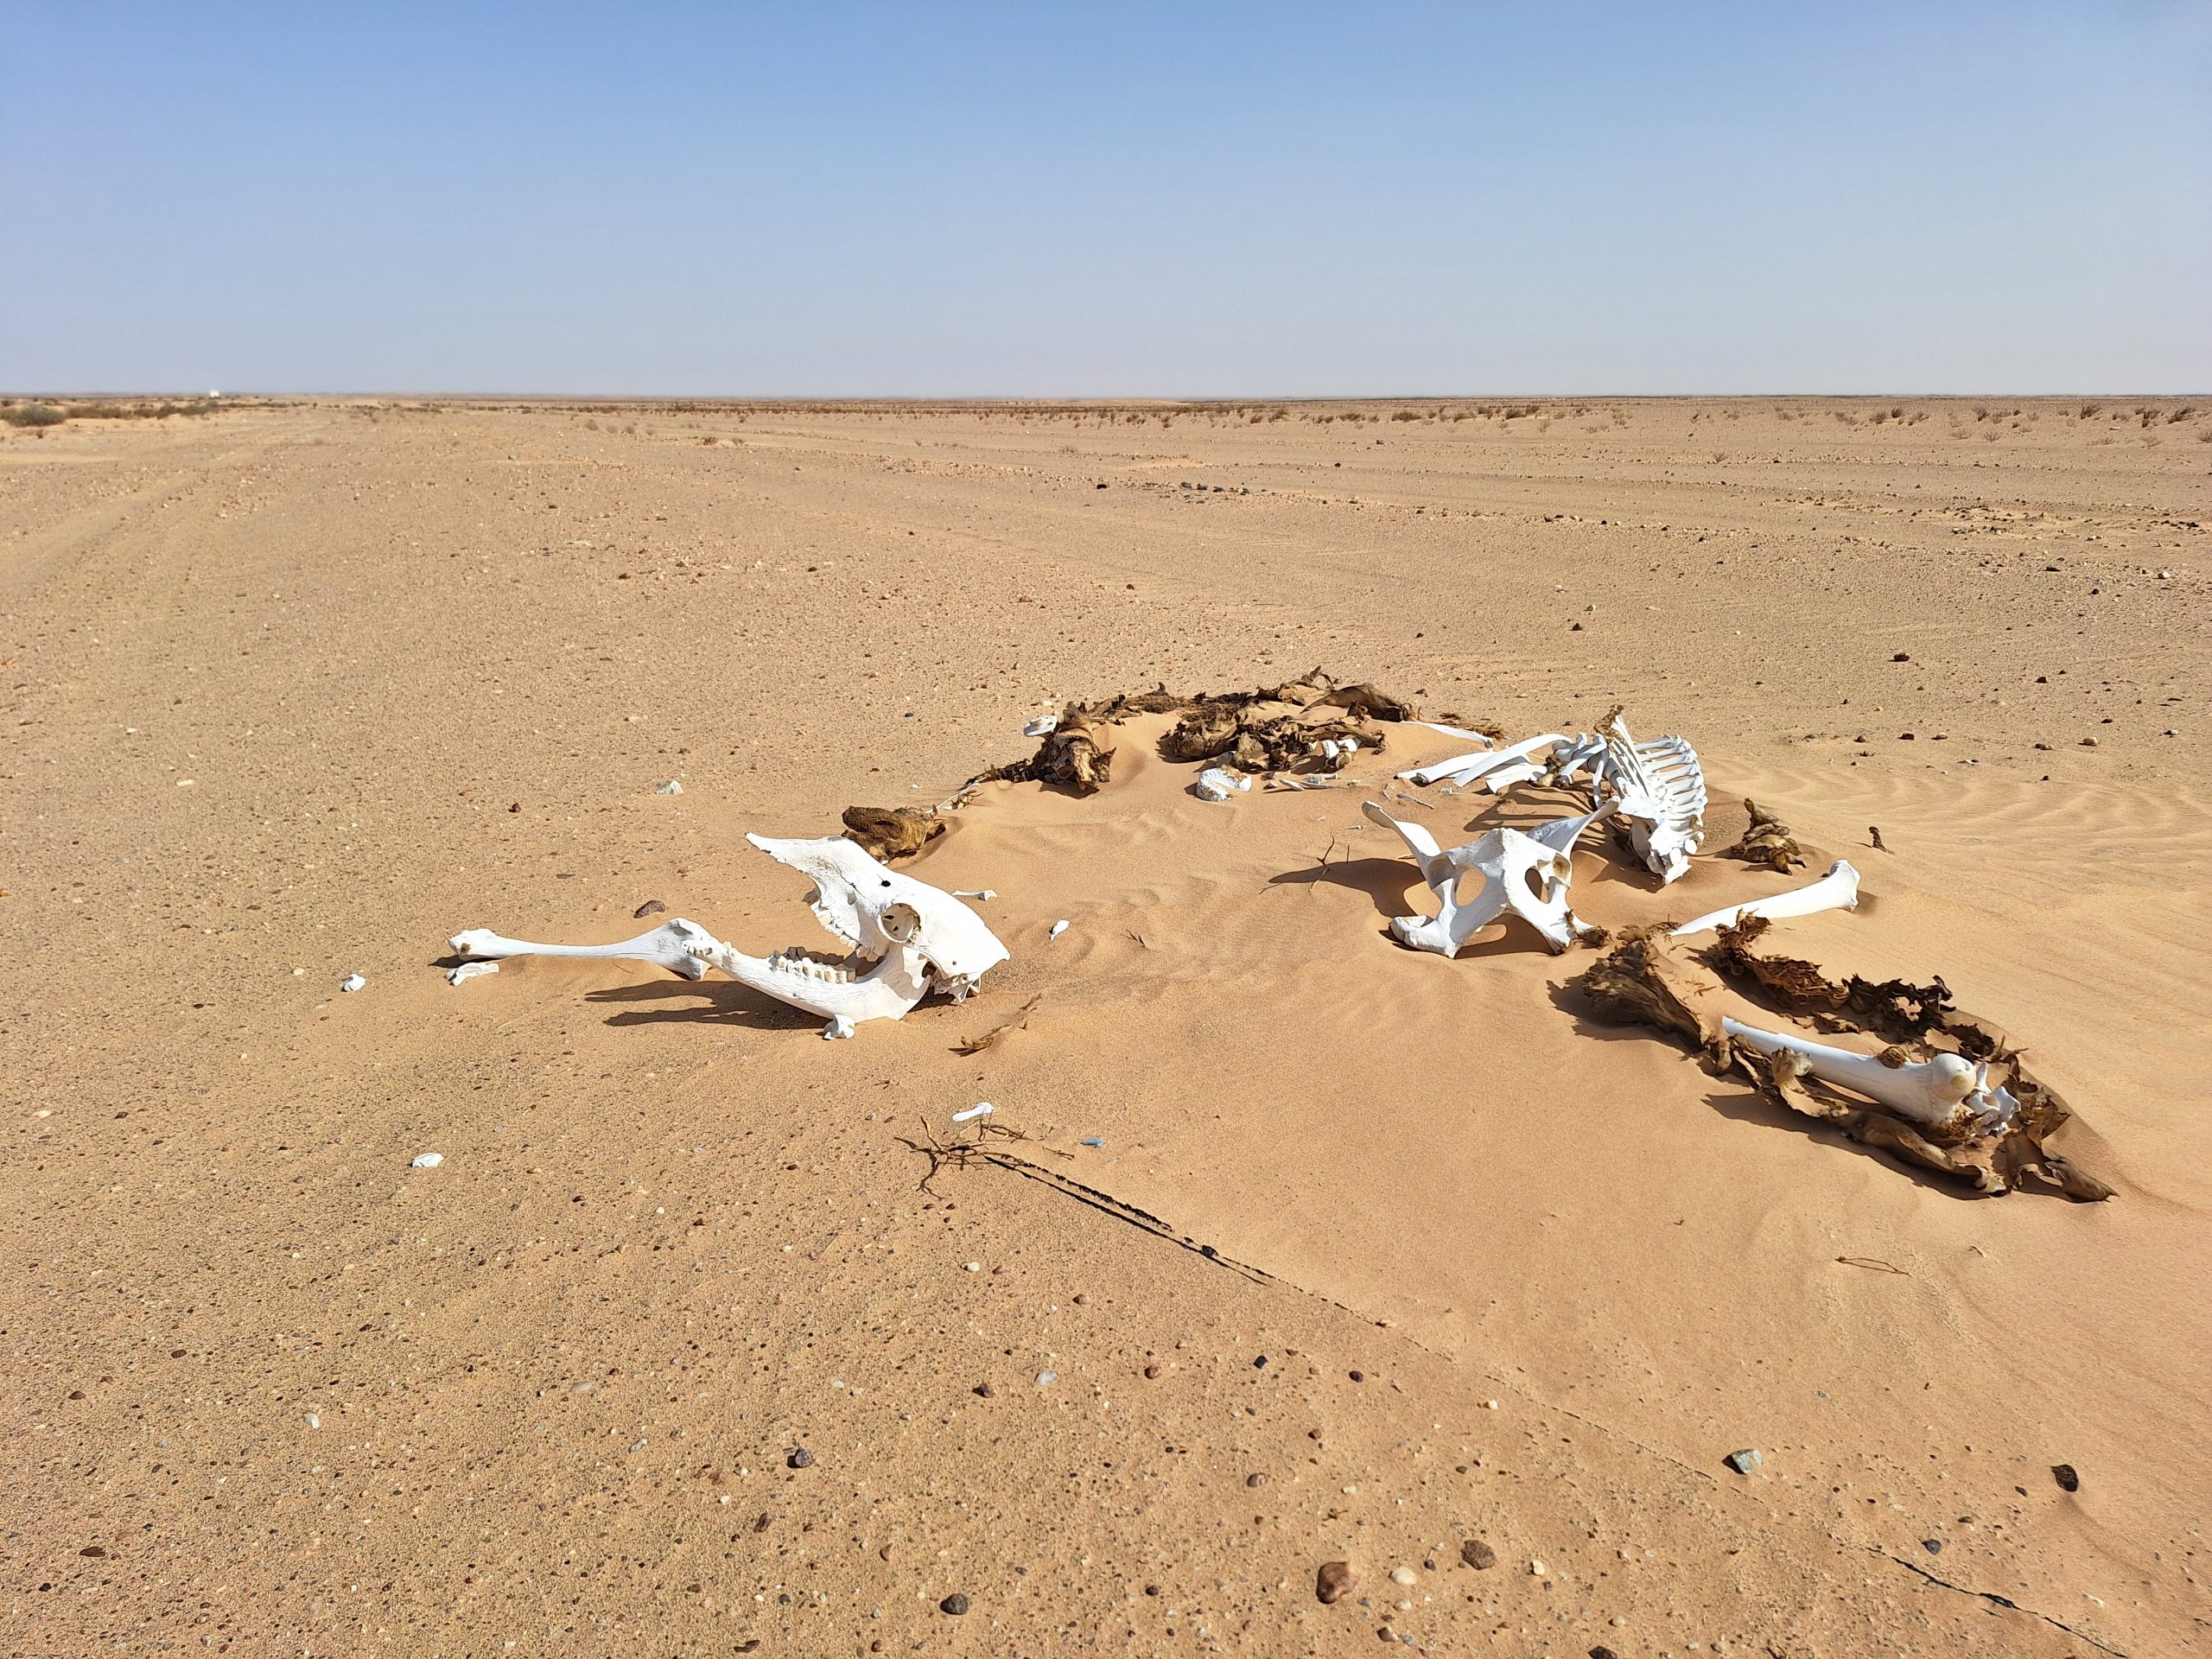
1837	890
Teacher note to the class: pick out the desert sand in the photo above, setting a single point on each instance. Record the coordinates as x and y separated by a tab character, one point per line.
1388	1254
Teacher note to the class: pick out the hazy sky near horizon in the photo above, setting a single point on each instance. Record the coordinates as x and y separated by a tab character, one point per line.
1190	199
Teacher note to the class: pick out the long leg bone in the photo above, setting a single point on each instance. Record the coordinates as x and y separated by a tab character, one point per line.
1931	1092
1499	769
1837	890
670	945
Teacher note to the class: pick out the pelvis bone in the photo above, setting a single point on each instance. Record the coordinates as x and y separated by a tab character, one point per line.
1526	873
905	939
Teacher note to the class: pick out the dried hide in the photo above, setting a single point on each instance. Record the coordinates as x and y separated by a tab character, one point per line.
889	832
1767	841
1895	1009
1640	981
1077	755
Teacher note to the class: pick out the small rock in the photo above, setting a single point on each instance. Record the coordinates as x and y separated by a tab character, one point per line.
800	1458
956	1604
355	982
650	907
1151	1371
1901	656
1933	1546
1745	1461
1603	1653
2064	1475
1478	1555
1402	1575
984	1391
1335	1580
1093	1140
1256	1480
1356	1376
1080	1299
2088	742
672	787
427	1160
1045	1379
1537	1569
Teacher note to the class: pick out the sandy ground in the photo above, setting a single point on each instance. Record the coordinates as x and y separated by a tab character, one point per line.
297	690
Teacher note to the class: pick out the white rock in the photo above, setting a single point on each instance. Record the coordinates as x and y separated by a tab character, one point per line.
427	1159
1045	1379
1402	1575
1536	1569
1058	928
672	787
351	983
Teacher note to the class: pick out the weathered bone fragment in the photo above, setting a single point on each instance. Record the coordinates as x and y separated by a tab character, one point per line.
1519	872
1837	890
1218	784
1939	1092
889	832
1516	761
906	939
1767	841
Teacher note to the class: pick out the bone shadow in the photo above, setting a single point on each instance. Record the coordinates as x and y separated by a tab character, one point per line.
725	1002
1742	1103
1390	882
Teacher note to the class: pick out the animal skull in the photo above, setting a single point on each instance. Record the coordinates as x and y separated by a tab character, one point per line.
905	938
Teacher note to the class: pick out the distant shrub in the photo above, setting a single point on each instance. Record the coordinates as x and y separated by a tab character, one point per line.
33	415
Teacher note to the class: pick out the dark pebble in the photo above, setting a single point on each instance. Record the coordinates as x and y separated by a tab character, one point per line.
2064	1475
1152	1589
93	1550
1256	1480
1603	1653
1933	1546
956	1604
1152	1371
1260	1364
802	1459
984	1390
1902	657
1478	1555
1334	1581
650	907
1357	1377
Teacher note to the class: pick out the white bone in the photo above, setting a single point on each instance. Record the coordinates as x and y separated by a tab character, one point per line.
1510	864
1042	726
909	938
1466	768
1837	890
351	983
469	970
1216	783
982	1111
1662	789
1459	732
1057	929
1927	1092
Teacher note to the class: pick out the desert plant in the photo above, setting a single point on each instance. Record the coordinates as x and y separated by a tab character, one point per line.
33	415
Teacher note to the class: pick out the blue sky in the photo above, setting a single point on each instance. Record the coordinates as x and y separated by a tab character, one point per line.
1060	199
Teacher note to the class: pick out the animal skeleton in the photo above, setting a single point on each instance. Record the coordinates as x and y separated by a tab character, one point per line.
1527	873
1658	788
1837	890
905	938
1931	1092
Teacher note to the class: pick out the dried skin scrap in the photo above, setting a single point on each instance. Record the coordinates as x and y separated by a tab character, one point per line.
1895	1009
1078	754
889	832
1641	981
1768	841
1781	1077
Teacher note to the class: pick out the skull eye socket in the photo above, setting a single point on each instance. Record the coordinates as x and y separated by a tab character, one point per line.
902	923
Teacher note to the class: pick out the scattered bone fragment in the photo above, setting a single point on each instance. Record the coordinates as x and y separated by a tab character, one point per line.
983	1109
650	907
672	787
427	1161
1218	784
1042	727
889	832
1837	890
1768	841
1057	929
469	970
351	983
980	892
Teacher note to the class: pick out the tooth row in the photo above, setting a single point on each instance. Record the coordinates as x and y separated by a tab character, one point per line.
807	967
